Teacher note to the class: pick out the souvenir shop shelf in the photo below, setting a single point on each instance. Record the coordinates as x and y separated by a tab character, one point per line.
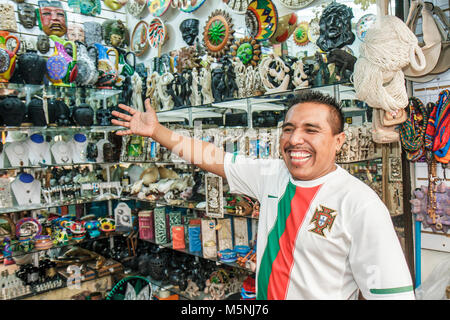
266	102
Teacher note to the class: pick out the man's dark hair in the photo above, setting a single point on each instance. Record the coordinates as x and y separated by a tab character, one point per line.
336	118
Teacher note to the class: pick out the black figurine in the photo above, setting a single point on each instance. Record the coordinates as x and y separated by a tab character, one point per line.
189	30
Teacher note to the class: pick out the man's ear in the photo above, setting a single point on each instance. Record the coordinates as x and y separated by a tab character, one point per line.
340	139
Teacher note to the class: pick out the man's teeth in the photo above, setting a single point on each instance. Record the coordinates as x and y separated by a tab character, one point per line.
300	155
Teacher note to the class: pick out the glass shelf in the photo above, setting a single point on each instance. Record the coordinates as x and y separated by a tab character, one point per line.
266	102
55	204
33	88
184	205
62	129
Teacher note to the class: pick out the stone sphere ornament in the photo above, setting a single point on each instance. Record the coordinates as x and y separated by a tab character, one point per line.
335	27
247	50
218	33
27	15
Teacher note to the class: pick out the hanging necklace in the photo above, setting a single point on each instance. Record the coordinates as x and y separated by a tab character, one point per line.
26	184
37	147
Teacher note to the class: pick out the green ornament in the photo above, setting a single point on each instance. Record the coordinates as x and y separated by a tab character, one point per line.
245	52
216	32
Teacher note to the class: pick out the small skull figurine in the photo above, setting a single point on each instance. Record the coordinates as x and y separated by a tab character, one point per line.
103	117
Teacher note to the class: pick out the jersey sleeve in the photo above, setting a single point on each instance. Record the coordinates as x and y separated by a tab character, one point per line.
248	176
376	257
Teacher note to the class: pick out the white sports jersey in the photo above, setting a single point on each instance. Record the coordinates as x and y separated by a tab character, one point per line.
320	239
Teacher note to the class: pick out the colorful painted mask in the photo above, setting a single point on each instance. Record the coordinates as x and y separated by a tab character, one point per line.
52	18
90	7
189	30
27	15
75	32
114	32
43	43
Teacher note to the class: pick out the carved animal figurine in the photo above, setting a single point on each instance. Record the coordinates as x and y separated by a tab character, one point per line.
344	62
274	74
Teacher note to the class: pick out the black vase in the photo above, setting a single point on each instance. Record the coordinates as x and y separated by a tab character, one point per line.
32	67
58	112
36	113
83	115
13	111
157	264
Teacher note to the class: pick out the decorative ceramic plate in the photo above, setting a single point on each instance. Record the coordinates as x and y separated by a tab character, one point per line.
261	19
28	227
218	33
135	7
301	34
191	5
296	4
158	7
237	6
156	33
313	30
139	38
364	23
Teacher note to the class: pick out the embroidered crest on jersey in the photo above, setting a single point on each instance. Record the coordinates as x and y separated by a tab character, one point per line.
322	219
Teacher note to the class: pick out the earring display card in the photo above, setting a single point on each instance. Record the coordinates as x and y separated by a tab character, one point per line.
194	233
209	239
5	193
178	237
224	234
214	195
146	225
240	231
122	216
160	225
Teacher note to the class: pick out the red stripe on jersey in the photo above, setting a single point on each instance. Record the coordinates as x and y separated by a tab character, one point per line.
282	265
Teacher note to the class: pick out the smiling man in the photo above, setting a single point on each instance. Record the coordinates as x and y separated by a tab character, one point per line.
322	233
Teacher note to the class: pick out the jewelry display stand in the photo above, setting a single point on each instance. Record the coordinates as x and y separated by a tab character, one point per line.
62	152
79	145
17	153
26	189
39	150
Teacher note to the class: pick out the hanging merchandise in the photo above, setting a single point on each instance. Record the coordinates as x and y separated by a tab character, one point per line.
301	34
115	33
52	18
189	6
8	20
27	15
157	33
237	6
412	131
431	37
7	57
92	32
285	28
218	33
139	38
158	7
115	4
136	7
363	24
437	131
261	19
335	27
296	4
75	32
247	50
189	29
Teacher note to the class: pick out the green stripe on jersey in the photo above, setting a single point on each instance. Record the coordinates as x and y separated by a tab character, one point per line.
391	290
273	241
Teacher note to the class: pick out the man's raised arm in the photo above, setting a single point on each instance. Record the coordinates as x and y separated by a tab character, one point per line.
203	154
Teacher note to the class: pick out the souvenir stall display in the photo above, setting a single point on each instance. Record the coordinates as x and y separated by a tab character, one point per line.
79	203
